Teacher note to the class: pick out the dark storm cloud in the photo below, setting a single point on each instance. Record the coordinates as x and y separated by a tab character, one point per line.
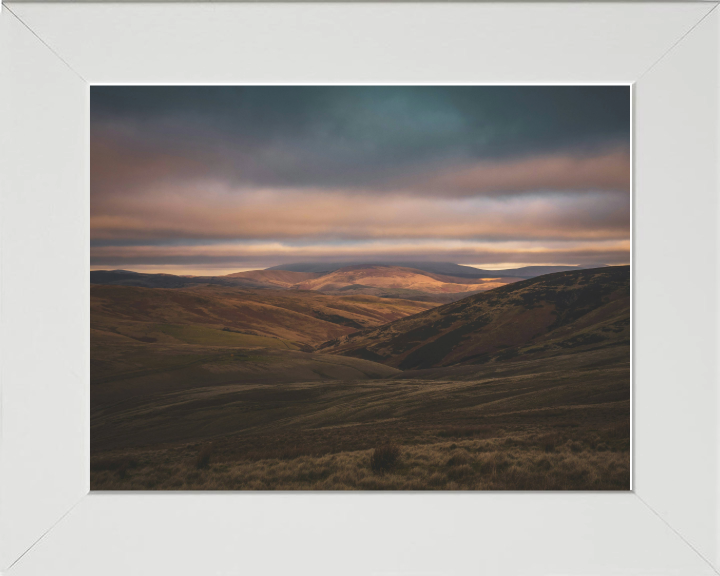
351	136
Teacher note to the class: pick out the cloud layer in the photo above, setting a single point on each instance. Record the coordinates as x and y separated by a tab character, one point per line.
246	177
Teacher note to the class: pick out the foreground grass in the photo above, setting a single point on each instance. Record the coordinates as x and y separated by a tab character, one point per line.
288	420
520	462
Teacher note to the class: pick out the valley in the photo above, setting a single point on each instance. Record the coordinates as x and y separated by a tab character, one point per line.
212	385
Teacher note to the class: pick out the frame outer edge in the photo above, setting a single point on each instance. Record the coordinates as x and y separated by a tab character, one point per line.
4	147
38	486
663	494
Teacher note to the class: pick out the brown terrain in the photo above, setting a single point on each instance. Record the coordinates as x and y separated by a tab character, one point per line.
282	278
234	315
372	280
266	380
397	277
544	315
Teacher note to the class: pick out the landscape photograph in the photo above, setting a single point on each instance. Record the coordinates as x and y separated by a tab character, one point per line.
360	288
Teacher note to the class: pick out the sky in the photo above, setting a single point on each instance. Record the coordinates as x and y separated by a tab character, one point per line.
208	180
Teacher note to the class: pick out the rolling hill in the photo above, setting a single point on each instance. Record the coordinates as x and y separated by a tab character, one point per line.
379	281
280	278
439	282
551	314
395	277
139	279
220	315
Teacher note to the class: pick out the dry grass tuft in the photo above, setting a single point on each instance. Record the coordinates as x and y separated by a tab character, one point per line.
203	458
384	458
457	460
549	442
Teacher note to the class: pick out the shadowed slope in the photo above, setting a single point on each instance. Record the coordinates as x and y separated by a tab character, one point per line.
545	315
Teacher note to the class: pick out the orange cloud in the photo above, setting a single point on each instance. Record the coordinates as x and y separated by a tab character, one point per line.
215	211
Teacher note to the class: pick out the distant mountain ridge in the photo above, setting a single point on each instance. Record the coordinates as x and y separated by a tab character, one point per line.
378	281
439	282
446	268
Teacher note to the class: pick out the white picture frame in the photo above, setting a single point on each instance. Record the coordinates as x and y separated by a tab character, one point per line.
50	523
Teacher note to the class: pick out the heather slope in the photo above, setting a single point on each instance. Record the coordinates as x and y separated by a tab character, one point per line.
552	314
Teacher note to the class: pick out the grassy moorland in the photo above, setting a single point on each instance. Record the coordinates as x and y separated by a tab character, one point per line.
221	315
566	427
180	403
